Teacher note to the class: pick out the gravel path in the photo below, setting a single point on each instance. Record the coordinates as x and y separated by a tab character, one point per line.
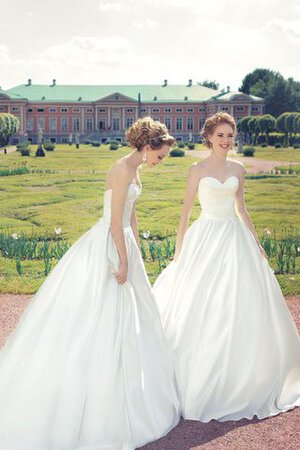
277	433
254	165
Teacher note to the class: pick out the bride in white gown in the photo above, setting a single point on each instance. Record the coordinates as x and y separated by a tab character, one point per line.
87	367
235	346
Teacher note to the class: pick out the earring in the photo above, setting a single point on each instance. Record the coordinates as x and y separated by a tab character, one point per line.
144	159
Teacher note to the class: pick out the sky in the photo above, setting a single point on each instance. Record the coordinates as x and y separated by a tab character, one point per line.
147	41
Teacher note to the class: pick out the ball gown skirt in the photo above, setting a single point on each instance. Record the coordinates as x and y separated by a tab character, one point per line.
235	347
87	367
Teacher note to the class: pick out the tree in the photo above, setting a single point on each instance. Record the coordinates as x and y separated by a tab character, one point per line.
256	82
253	128
9	124
266	124
243	126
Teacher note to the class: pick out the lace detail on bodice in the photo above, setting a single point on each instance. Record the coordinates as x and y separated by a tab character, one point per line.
132	193
217	198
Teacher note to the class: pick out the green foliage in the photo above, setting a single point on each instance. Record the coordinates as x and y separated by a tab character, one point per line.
248	151
113	146
40	152
9	125
190	145
181	145
95	143
177	152
49	146
25	151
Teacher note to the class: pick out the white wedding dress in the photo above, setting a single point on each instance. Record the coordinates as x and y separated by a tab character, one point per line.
235	346
87	367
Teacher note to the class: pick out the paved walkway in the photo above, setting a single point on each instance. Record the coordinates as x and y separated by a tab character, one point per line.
277	433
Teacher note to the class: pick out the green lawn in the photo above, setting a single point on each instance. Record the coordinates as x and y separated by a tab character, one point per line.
71	198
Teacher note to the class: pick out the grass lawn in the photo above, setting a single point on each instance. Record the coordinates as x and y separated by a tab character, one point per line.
71	198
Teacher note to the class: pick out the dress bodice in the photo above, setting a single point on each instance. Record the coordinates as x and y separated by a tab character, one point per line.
132	193
217	198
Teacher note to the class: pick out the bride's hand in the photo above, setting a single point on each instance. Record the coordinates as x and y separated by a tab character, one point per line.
121	275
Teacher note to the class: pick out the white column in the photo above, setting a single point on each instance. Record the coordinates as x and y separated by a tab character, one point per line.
96	118
123	118
108	116
249	110
21	120
82	120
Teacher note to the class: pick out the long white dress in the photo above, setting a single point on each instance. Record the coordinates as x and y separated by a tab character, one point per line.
87	367
235	346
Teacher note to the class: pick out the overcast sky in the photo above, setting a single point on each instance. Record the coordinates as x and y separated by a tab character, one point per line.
146	41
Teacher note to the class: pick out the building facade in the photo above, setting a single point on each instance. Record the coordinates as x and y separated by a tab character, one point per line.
104	112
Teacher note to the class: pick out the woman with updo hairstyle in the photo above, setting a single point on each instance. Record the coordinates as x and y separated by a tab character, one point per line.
235	347
96	372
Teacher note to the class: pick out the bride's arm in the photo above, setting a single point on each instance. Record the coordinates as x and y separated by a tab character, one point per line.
119	192
134	225
242	212
190	192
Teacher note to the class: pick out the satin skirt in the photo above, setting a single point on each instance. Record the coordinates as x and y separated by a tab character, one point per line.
235	346
87	367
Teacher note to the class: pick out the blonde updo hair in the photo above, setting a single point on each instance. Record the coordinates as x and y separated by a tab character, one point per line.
148	131
212	122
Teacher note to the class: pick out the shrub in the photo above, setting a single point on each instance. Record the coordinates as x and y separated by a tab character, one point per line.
88	142
40	151
25	151
23	145
114	142
176	152
191	145
125	144
296	146
95	143
113	146
248	151
278	145
181	144
49	146
264	144
261	139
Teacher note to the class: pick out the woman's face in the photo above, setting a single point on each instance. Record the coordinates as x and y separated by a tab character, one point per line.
222	138
155	157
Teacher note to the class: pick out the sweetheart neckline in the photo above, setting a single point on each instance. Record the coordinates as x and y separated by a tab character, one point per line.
135	184
219	181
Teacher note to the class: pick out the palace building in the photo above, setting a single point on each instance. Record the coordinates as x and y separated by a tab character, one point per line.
104	112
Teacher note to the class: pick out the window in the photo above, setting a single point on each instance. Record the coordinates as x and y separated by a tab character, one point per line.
89	110
40	123
29	110
102	123
29	124
178	123
202	109
143	110
52	110
168	122
155	110
89	123
224	108
52	123
156	118
179	110
76	110
64	124
116	123
190	123
190	110
254	108
40	110
76	124
64	110
102	110
201	122
16	108
168	110
129	110
129	122
240	108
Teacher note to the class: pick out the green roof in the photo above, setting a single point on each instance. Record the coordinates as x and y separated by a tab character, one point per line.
236	95
88	93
